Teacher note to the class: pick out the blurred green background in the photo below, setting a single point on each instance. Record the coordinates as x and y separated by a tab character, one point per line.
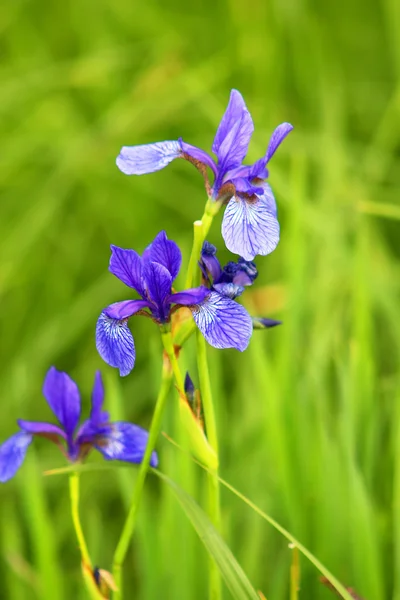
309	414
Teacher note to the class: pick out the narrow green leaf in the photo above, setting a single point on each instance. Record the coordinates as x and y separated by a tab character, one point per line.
233	574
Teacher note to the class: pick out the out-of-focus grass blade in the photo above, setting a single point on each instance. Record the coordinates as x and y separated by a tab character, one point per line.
380	209
233	574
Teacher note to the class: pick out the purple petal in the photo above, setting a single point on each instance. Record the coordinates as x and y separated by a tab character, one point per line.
43	429
114	343
251	227
126	442
165	252
264	323
139	160
159	282
245	187
199	155
96	414
12	454
210	261
189	297
127	266
62	394
125	309
223	322
277	138
233	134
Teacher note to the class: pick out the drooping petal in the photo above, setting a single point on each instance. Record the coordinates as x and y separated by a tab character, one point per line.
159	282
165	252
114	343
233	134
223	322
189	297
250	227
62	394
210	261
12	454
277	138
127	266
147	158
126	442
125	309
43	429
198	155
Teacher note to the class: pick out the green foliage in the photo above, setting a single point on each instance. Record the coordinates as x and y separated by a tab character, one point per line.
308	416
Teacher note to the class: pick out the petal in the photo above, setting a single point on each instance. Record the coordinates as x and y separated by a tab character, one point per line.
250	227
223	322
40	428
277	138
138	160
264	323
165	252
210	261
231	290
245	187
96	413
127	266
12	454
126	442
62	394
114	343
233	134
189	297
125	309
159	282
198	155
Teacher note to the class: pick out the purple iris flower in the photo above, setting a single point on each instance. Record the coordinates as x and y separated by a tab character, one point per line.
250	224
116	441
223	322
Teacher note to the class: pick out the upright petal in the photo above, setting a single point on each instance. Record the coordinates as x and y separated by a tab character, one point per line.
62	394
114	343
165	252
231	290
250	227
189	297
223	322
96	414
277	138
127	266
210	261
139	160
233	134
198	155
12	454
125	442
159	282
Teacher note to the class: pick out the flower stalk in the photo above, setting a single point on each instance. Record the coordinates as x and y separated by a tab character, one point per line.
130	523
74	495
201	229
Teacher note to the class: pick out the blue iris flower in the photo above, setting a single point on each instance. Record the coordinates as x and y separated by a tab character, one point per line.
223	322
250	226
116	441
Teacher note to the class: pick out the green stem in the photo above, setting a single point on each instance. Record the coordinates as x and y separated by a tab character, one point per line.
74	495
130	523
201	229
169	349
213	480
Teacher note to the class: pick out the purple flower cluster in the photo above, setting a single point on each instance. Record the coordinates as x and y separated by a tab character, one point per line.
250	224
116	441
223	322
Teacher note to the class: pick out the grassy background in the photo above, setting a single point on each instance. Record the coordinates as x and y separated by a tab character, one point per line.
309	415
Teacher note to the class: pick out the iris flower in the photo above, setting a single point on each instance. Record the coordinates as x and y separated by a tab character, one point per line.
115	441
250	224
223	322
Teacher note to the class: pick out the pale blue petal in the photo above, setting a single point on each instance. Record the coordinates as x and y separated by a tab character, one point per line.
114	343
139	160
126	442
223	322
